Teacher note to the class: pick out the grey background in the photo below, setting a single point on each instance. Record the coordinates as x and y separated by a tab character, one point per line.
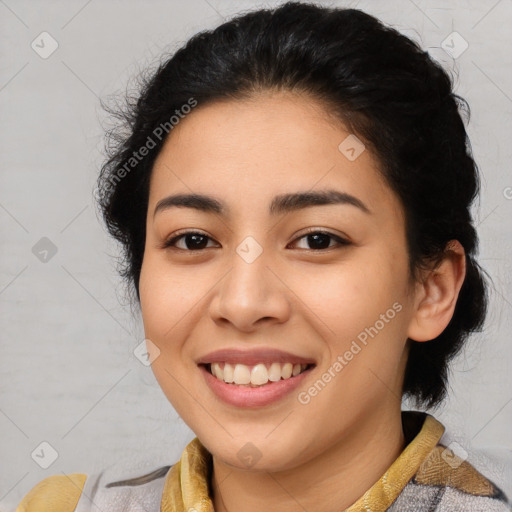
67	369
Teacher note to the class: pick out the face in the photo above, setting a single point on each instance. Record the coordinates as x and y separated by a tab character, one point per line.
323	284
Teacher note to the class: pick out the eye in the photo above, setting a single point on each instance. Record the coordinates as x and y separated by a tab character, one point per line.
320	240
195	240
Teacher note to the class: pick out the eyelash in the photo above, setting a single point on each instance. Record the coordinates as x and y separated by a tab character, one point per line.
341	241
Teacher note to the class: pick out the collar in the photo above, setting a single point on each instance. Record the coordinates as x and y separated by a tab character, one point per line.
187	485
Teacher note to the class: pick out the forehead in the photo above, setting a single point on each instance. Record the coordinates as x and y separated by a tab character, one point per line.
268	144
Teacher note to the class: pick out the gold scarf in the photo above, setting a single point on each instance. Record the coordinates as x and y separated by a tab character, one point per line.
187	484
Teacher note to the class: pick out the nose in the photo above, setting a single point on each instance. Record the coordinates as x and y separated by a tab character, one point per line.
251	294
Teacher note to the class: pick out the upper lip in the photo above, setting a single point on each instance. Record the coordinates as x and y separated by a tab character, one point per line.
253	357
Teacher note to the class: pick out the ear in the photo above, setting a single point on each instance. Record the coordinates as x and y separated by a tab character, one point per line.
436	295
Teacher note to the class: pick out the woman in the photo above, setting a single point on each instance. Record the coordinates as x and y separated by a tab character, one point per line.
293	198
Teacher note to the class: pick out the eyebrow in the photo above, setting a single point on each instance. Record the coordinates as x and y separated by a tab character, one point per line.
283	203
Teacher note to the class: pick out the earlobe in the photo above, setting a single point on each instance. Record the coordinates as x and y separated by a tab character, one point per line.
438	293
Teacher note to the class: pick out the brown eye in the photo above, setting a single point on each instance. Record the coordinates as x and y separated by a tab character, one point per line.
192	240
320	240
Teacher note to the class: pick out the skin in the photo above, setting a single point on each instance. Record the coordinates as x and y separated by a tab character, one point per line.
325	454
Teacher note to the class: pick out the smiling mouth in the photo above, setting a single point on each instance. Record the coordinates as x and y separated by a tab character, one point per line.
257	375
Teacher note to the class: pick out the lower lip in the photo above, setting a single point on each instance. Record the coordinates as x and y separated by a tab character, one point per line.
246	396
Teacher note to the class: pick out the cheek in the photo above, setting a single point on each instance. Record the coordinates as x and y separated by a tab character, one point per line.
167	295
165	302
364	307
162	310
350	296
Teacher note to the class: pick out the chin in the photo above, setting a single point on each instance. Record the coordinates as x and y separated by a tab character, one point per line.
255	453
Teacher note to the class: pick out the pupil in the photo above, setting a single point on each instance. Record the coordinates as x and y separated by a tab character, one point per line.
320	236
195	244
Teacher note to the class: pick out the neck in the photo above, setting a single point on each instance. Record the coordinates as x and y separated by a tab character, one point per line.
330	482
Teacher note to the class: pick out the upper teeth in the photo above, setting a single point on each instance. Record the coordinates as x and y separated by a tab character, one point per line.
257	375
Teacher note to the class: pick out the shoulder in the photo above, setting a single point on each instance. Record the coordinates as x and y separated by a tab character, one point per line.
456	482
115	488
135	488
57	493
